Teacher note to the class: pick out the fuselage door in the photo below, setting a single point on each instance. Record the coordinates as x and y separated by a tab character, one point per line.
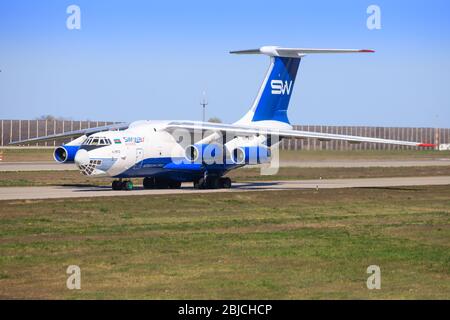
139	158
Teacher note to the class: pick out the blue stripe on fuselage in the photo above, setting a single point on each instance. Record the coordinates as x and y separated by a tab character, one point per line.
177	168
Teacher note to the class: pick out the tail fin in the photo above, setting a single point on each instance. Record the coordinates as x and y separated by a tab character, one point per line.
273	97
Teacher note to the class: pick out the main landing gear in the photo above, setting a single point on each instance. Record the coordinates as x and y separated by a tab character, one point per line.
213	182
208	182
122	185
160	183
149	183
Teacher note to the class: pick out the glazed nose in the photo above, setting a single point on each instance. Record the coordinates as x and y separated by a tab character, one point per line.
81	158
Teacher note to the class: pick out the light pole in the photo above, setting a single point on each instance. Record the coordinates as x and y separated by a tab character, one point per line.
204	103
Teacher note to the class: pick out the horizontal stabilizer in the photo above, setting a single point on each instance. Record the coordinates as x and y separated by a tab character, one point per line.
274	51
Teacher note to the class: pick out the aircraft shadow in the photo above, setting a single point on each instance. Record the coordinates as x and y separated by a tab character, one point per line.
247	185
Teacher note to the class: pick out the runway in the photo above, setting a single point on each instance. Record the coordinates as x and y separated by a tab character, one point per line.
53	166
57	192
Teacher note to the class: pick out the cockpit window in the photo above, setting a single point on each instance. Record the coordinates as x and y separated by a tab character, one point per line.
97	141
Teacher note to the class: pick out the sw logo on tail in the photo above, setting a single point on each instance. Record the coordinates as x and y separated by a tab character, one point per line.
279	88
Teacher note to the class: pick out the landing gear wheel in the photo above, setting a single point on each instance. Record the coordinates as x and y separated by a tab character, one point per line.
117	185
161	183
225	183
199	184
213	182
127	185
174	184
149	183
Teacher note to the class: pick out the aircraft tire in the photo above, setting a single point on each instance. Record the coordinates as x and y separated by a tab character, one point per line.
116	185
174	184
225	183
127	185
148	183
161	183
199	184
213	182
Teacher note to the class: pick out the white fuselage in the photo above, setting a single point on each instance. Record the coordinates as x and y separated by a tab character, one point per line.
145	150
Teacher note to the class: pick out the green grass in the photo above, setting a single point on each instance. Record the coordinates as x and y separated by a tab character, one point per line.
26	154
15	183
48	178
287	244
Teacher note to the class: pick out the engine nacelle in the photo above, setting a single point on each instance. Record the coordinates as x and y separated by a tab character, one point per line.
237	155
65	153
204	153
249	155
215	154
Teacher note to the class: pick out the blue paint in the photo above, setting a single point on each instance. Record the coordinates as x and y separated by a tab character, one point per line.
274	101
70	153
256	155
184	166
176	169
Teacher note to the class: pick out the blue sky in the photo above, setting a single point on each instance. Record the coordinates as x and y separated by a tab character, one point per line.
152	59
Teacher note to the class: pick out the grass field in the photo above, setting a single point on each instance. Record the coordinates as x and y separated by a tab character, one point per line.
45	178
25	154
287	244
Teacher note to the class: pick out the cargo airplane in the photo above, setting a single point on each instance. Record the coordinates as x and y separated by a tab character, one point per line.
167	153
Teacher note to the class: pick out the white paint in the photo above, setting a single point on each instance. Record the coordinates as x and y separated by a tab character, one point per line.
74	280
374	19
73	21
374	280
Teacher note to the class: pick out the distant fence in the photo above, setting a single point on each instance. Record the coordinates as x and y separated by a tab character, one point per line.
428	135
14	130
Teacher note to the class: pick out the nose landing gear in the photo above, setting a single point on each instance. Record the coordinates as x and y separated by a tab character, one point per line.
122	185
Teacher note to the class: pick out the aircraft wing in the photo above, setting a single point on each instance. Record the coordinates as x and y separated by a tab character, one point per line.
240	130
73	134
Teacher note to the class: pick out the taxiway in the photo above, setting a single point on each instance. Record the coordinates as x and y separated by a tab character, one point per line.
56	192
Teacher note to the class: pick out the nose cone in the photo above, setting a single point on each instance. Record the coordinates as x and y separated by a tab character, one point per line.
82	158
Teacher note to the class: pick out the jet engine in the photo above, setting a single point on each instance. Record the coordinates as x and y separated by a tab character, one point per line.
232	155
249	155
66	152
204	153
